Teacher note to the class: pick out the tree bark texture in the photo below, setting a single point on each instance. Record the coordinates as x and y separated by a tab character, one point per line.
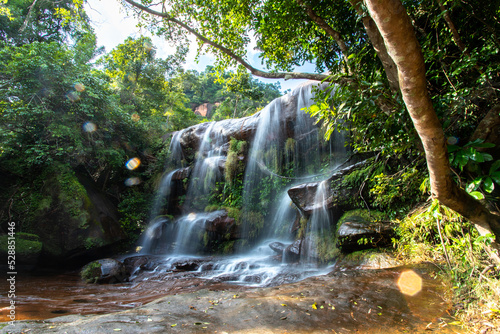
397	31
378	44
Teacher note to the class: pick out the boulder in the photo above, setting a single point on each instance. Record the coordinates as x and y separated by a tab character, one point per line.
360	229
137	263
104	271
221	224
304	195
278	247
75	220
28	248
292	252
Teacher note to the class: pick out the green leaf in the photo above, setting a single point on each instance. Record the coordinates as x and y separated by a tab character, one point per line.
484	145
487	157
476	156
488	184
496	177
477	195
494	167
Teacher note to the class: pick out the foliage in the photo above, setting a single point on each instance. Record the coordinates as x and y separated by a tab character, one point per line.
469	156
91	272
134	208
459	249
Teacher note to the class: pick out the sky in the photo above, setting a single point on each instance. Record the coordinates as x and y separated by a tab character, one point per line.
112	27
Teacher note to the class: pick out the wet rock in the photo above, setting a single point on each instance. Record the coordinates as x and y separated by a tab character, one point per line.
350	301
222	225
188	264
278	247
343	198
181	174
292	252
104	271
137	263
357	231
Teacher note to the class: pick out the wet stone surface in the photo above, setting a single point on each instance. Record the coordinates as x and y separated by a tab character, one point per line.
361	301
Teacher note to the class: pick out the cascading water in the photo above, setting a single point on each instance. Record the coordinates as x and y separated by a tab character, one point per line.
286	149
318	226
206	171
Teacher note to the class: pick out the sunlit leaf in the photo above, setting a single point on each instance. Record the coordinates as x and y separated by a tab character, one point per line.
488	184
476	195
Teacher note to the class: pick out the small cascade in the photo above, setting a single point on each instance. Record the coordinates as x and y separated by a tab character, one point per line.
206	171
190	231
280	227
318	227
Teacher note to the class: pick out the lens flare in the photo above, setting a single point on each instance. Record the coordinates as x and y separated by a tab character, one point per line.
79	87
409	283
452	140
133	163
148	46
89	127
132	181
73	96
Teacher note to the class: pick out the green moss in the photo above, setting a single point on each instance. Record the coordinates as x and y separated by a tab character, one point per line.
211	208
91	243
91	272
362	215
302	227
228	247
326	249
234	213
206	239
254	221
234	167
27	245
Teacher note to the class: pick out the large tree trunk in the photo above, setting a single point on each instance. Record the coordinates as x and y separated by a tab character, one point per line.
395	27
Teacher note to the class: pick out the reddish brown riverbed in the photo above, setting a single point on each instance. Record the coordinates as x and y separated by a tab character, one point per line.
361	301
55	294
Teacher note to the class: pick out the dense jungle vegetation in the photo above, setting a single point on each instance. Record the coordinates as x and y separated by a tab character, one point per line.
71	111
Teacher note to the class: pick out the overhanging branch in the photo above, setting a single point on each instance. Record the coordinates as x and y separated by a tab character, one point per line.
230	53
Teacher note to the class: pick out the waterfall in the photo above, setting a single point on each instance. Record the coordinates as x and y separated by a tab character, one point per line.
318	226
206	171
286	149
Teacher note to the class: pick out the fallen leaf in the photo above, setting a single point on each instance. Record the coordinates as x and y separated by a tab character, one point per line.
315	306
198	323
173	325
283	304
283	318
117	329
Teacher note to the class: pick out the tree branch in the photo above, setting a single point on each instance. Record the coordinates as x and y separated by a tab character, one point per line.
378	44
329	30
230	53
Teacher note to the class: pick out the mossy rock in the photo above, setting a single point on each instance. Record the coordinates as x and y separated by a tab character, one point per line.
104	271
28	248
362	229
368	259
362	215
